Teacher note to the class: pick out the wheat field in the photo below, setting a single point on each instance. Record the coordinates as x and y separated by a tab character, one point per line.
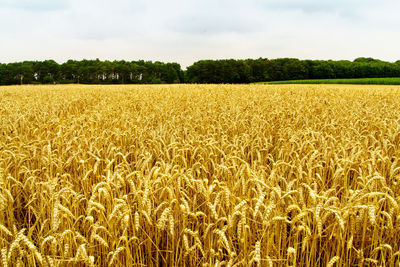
200	175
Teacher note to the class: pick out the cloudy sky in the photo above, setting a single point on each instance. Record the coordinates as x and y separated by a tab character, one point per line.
185	31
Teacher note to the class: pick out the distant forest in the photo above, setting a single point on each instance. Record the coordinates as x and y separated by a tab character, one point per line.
203	71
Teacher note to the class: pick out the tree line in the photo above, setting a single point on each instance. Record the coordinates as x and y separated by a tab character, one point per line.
261	70
90	72
203	71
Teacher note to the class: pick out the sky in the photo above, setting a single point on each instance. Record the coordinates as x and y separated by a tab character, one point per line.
185	31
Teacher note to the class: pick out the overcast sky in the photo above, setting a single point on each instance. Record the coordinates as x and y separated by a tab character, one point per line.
185	31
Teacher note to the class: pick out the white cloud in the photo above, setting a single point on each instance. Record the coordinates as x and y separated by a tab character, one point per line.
186	31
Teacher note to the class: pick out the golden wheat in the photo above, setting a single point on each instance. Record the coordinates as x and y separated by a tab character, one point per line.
210	175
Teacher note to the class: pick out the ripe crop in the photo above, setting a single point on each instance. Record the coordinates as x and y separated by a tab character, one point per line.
262	175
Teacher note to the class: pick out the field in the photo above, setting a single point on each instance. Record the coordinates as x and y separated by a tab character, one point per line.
200	175
382	81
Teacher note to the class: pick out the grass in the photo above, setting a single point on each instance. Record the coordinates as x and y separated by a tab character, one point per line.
200	175
382	81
